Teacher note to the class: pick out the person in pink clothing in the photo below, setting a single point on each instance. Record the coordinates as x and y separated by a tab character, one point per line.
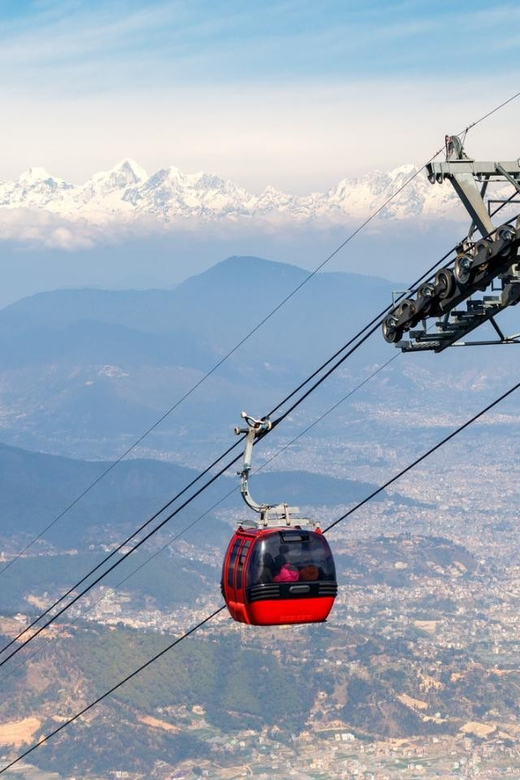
288	573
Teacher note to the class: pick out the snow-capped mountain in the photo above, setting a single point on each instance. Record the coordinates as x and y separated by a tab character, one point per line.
170	197
35	188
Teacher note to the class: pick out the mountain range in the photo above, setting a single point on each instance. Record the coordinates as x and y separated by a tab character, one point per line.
127	193
83	372
35	488
92	363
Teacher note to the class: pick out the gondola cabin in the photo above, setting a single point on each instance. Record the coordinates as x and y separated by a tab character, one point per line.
274	576
282	570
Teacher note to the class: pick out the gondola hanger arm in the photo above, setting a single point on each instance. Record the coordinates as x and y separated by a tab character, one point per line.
270	514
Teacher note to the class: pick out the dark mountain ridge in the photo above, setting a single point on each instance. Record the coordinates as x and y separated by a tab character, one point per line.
215	308
83	371
35	488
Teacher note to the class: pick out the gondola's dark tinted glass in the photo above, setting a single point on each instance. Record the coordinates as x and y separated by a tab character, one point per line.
291	556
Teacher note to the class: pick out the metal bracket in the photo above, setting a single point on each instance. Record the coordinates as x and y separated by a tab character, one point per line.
271	515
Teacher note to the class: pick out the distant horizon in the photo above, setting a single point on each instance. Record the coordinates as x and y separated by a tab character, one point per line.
42	171
171	287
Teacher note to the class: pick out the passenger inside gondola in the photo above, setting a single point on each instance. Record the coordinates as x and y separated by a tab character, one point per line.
291	556
288	573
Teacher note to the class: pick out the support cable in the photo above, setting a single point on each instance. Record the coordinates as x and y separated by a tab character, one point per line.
424	456
490	113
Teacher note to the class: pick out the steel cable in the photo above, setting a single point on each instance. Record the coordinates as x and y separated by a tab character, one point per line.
367	330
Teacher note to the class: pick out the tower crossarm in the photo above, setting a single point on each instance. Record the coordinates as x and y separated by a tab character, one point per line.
465	176
482	171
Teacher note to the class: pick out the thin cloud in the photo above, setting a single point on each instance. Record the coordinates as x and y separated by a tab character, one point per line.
226	40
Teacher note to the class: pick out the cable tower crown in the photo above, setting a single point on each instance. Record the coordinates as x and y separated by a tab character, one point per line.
488	264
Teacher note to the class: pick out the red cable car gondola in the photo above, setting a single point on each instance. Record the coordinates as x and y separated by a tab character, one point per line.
281	571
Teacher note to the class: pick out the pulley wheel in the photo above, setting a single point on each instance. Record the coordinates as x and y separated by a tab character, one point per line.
391	332
462	268
444	283
425	297
407	308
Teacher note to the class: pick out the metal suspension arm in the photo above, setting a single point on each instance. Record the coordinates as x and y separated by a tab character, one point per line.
271	515
255	428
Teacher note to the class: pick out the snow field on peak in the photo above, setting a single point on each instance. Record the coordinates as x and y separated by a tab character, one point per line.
169	196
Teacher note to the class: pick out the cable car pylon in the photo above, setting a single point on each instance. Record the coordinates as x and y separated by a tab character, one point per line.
279	569
490	262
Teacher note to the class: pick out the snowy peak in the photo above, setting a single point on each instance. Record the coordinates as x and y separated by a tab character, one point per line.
34	175
107	189
125	174
132	170
170	197
35	189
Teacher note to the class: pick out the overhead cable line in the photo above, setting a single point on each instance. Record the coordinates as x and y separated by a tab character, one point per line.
489	113
213	614
367	331
422	457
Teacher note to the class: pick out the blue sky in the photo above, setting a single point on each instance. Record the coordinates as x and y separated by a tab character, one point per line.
101	43
289	92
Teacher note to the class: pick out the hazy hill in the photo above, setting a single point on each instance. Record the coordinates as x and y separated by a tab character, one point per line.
35	488
215	308
83	364
84	371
